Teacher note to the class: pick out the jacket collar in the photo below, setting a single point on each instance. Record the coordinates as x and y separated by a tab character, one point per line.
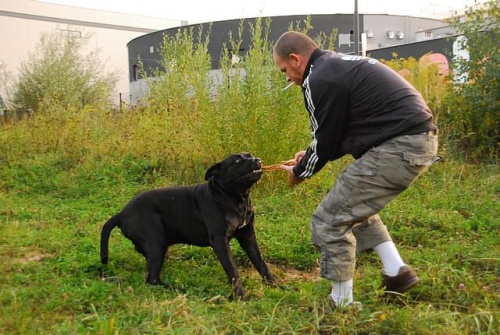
315	55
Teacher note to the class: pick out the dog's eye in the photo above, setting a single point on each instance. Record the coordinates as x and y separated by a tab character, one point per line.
238	160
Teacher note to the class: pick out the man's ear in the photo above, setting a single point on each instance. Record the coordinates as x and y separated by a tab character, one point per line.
295	59
212	171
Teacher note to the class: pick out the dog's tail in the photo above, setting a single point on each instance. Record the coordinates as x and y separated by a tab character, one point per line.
105	232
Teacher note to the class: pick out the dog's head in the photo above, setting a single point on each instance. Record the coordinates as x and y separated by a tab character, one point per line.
236	172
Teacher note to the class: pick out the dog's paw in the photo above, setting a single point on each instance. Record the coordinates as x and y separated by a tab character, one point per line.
234	297
238	294
156	282
269	280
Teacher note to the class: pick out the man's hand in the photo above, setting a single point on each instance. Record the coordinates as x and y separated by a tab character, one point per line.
292	178
299	155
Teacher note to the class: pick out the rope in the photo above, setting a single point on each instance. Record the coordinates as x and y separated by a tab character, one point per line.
276	167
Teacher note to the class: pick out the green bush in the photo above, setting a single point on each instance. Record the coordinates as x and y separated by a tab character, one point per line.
59	73
243	108
474	117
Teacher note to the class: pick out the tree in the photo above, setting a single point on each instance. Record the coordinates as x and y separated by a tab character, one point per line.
5	78
476	115
59	73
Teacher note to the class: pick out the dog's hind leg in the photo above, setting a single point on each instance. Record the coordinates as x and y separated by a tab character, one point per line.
155	258
149	239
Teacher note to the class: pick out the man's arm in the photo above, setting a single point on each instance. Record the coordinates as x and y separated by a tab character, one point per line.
327	104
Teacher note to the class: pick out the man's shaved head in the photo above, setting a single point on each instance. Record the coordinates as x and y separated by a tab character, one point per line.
294	42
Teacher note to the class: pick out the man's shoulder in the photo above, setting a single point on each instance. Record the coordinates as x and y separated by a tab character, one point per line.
330	67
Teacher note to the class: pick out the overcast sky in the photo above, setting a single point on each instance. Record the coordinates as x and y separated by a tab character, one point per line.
195	11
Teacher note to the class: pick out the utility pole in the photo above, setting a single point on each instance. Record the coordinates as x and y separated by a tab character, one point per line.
356	28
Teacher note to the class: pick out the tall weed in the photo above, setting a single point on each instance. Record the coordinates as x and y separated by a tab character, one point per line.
240	108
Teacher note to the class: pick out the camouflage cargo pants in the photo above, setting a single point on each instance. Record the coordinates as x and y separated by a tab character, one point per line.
346	220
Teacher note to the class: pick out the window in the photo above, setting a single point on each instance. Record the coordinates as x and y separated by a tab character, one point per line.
135	72
66	33
344	39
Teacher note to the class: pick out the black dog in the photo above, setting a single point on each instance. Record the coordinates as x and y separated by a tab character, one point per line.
208	214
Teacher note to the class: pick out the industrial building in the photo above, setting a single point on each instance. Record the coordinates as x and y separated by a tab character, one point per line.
380	35
123	39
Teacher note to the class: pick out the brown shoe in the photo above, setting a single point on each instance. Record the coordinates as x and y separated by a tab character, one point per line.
402	282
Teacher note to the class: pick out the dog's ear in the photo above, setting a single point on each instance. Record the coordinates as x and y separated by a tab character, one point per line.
212	171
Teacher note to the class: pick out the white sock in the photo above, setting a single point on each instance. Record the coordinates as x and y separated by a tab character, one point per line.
342	292
390	257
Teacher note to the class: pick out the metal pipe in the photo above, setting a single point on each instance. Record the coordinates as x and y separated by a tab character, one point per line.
356	28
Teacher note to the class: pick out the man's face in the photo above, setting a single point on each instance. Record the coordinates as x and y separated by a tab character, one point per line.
292	67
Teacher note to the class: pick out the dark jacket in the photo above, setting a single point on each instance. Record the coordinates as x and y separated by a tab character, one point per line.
356	103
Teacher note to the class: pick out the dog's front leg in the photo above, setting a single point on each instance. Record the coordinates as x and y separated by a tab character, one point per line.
248	241
221	249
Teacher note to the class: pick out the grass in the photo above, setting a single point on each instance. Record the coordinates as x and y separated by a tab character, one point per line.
446	226
65	172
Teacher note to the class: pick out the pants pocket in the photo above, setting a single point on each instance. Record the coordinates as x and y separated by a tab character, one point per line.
420	160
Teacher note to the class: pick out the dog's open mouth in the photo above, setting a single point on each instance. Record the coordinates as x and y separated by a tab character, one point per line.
259	167
256	171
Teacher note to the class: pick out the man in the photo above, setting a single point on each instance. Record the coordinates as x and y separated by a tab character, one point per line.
360	107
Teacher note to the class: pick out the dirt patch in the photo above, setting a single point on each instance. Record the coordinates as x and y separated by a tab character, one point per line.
285	274
31	256
289	274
